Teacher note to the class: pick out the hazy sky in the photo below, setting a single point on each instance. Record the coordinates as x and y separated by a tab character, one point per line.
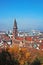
28	13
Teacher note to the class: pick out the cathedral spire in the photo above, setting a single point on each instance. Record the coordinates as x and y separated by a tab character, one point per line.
15	24
15	29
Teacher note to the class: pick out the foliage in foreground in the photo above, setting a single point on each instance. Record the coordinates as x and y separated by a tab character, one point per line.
15	56
6	59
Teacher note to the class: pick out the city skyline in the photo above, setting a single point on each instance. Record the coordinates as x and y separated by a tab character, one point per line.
28	14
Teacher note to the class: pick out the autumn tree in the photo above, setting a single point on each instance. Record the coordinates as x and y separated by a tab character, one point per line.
36	62
6	59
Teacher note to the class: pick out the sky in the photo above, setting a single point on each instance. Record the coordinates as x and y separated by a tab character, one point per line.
28	14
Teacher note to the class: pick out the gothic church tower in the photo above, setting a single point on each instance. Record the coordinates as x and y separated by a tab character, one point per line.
15	33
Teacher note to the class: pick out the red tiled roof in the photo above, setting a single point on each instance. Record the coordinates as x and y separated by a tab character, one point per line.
41	46
0	40
20	38
28	38
5	37
42	41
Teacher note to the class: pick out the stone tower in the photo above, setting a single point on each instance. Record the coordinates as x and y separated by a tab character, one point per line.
15	33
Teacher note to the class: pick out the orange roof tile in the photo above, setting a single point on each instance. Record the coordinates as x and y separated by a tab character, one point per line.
41	46
20	38
28	38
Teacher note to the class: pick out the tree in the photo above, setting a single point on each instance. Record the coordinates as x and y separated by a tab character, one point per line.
27	63
6	59
36	62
